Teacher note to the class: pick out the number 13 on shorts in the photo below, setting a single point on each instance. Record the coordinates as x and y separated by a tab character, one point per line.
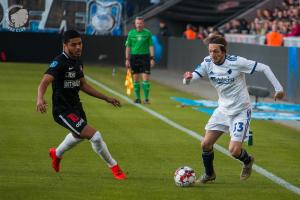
239	127
239	130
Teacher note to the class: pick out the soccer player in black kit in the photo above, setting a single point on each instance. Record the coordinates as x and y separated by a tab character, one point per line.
67	78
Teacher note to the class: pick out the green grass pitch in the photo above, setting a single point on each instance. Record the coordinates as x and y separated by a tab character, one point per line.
148	149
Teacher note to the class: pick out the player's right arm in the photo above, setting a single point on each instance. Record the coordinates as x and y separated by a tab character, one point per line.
196	74
127	56
187	77
127	50
41	104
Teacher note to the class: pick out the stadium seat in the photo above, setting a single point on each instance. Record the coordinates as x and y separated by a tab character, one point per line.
258	92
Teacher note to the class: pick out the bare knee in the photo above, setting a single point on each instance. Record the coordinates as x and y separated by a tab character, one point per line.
87	132
206	146
210	139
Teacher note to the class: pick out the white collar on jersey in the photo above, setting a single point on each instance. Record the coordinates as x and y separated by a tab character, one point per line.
65	55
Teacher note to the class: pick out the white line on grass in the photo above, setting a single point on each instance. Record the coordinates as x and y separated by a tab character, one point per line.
257	168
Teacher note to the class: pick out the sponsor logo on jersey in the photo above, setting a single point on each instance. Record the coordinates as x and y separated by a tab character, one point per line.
70	74
71	83
222	80
237	135
79	123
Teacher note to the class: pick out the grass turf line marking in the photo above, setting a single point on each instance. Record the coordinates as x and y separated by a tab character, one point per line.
256	168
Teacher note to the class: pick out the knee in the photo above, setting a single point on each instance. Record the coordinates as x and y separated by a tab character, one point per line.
206	146
88	132
235	151
97	138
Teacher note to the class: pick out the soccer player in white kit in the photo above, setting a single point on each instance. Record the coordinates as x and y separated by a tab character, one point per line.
227	74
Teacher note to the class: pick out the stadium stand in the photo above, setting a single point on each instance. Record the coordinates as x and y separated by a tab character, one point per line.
247	21
204	13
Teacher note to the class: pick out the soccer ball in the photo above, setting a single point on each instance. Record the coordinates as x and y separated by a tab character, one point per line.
184	176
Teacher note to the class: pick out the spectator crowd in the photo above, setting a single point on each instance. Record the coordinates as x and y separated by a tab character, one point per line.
275	24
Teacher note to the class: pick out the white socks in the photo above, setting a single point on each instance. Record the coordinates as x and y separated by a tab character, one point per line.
97	142
69	142
100	148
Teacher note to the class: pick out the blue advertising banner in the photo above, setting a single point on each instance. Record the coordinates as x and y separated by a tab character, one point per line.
264	110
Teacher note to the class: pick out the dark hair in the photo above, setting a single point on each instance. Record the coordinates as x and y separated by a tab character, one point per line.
139	18
217	39
70	34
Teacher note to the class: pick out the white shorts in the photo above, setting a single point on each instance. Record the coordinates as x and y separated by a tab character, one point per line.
237	125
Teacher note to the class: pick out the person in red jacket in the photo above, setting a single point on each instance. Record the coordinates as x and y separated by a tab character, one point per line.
295	29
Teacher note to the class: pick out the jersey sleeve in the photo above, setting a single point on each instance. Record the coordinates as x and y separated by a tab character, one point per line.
54	68
245	65
81	74
270	75
128	40
200	70
150	39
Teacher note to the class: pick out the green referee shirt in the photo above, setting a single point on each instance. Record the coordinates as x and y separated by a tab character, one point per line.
139	42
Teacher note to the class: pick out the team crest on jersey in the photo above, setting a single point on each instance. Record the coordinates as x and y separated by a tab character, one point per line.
53	64
231	57
139	37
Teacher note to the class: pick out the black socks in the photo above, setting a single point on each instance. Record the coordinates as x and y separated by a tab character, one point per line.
208	158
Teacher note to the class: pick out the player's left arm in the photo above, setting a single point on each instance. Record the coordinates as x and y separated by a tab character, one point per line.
152	61
250	66
279	93
151	50
88	89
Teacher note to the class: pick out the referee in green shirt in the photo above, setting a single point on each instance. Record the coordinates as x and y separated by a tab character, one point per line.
140	57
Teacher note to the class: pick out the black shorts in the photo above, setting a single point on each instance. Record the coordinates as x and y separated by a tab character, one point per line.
74	120
140	64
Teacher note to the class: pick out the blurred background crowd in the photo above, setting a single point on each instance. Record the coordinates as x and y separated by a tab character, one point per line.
274	24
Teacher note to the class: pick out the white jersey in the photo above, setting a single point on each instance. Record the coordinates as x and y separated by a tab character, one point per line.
229	80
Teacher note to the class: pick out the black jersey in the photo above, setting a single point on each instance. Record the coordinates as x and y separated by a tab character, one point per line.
66	85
